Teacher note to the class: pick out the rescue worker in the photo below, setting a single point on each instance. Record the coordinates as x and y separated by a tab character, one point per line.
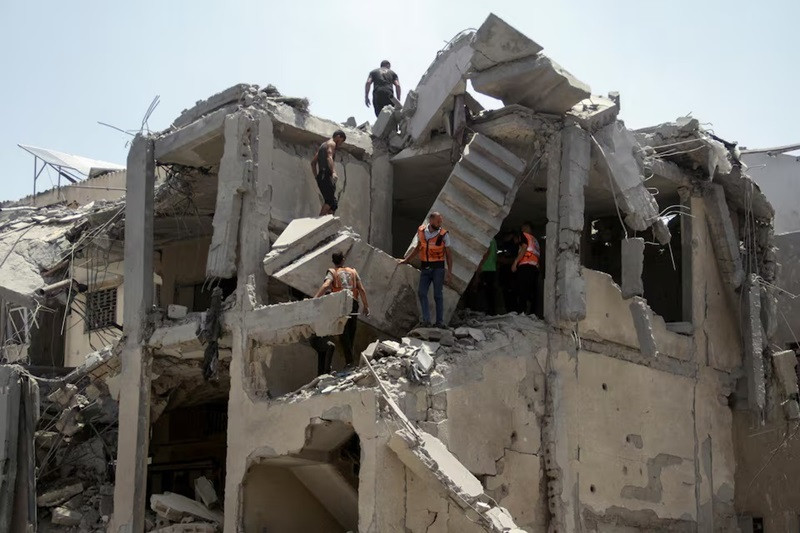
432	244
488	278
325	172
341	278
526	266
384	79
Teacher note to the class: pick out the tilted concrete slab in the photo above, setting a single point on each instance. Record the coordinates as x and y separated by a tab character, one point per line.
430	460
198	144
536	82
496	41
391	287
513	124
474	202
427	106
613	149
231	95
632	255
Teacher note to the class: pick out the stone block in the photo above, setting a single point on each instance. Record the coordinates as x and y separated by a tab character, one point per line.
785	365
61	516
536	82
384	123
59	496
632	255
496	42
753	345
204	492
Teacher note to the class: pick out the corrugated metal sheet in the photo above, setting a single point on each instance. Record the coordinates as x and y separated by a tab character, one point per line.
84	165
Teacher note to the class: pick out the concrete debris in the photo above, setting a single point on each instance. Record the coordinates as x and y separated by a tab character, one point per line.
421	365
194	527
785	365
497	42
536	82
59	496
204	492
61	516
385	123
753	345
176	312
632	254
643	322
176	508
726	243
615	148
593	113
475	333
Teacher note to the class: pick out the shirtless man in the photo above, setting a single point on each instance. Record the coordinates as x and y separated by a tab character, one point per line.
384	79
325	172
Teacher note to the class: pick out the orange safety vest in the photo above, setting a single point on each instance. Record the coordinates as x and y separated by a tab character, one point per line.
432	250
532	252
343	278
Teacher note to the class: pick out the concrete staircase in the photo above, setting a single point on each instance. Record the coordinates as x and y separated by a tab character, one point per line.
474	202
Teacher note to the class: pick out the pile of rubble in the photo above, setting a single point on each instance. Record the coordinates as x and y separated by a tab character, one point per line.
175	513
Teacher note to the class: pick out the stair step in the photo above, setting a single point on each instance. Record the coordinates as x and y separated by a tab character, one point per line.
478	162
481	191
500	155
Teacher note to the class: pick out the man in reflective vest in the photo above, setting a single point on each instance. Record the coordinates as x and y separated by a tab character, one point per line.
526	265
432	243
337	279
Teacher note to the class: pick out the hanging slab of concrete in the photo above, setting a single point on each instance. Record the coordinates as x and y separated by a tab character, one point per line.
632	255
430	460
235	173
753	345
391	288
643	322
427	106
198	144
496	41
785	365
726	244
536	82
613	149
474	202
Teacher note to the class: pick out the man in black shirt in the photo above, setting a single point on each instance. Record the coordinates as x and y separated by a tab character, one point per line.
325	173
384	79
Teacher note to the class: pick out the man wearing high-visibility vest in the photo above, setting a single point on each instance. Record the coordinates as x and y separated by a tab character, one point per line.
341	278
432	243
526	265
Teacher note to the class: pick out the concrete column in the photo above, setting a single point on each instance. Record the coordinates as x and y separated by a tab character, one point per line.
134	404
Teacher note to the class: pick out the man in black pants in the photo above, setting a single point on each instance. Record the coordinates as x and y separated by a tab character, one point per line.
526	265
384	79
325	172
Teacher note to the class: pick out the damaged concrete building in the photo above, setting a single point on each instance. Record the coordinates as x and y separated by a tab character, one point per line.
166	334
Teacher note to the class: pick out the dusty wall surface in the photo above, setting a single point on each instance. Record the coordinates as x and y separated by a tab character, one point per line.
295	193
766	485
182	263
777	176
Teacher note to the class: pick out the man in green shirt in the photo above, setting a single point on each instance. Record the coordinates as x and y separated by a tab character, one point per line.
489	278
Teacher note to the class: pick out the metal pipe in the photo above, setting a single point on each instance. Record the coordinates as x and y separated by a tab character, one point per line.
47	290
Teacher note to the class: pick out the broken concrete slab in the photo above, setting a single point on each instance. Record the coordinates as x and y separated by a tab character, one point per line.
231	95
496	42
614	148
384	123
474	202
204	492
432	100
726	243
61	516
536	82
632	254
176	508
593	113
59	496
643	322
198	144
785	365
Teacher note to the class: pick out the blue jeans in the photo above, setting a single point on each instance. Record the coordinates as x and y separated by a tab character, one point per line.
426	277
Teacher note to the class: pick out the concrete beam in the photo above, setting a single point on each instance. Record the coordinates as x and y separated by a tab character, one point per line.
613	149
134	402
432	99
231	95
189	145
381	188
632	255
785	365
726	243
496	41
643	323
753	345
235	178
536	82
288	323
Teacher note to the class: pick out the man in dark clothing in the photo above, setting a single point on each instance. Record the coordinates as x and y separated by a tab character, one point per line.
507	251
526	266
384	79
325	172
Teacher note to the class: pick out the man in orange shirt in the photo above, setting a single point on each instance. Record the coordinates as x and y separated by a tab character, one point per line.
526	265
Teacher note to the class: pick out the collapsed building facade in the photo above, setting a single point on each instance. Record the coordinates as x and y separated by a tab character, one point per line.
181	315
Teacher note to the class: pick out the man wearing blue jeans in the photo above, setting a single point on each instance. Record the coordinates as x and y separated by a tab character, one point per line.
432	243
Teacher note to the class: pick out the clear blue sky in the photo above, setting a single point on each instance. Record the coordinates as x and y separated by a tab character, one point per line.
67	64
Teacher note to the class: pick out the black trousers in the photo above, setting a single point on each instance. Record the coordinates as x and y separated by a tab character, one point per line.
348	336
381	99
324	347
527	288
488	284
